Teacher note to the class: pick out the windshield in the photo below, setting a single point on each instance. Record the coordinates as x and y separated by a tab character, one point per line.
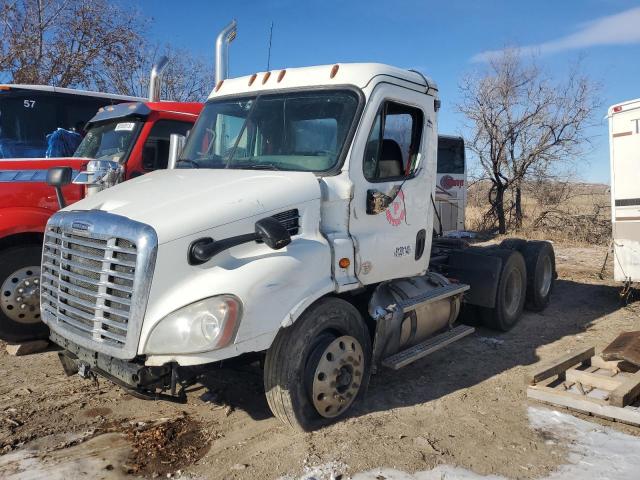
450	155
302	131
28	117
109	141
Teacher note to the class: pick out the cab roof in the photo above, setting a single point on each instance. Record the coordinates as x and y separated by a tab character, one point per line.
70	91
357	74
143	109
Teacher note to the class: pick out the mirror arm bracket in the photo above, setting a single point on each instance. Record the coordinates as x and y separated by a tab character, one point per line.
204	249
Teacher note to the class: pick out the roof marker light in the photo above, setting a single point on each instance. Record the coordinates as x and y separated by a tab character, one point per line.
219	85
281	75
334	70
617	108
266	77
253	79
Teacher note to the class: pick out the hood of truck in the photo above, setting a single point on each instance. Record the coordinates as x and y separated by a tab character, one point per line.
182	202
42	164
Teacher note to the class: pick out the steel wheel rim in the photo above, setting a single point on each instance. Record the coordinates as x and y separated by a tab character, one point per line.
338	376
547	276
513	292
20	295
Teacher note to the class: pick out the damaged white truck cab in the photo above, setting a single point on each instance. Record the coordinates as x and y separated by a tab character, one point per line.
297	223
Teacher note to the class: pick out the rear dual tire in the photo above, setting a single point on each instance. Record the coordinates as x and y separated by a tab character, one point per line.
510	294
526	281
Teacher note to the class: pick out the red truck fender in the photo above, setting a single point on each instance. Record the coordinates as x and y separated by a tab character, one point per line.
17	220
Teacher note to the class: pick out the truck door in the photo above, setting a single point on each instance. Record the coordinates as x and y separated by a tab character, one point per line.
392	168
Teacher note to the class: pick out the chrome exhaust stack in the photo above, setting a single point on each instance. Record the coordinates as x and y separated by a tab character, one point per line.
155	80
224	38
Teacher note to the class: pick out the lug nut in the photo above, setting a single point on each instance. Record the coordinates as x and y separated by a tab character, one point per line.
20	290
23	306
18	299
26	283
36	281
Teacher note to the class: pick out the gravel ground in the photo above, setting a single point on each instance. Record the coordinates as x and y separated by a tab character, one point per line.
464	406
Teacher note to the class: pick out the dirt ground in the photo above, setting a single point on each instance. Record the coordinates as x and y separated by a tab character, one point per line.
463	406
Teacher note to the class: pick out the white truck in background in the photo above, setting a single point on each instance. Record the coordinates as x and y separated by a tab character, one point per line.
624	145
297	225
451	185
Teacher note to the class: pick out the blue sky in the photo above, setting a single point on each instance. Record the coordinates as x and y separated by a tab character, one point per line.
443	39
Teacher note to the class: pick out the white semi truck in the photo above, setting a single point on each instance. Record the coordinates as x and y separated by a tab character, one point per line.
297	225
624	144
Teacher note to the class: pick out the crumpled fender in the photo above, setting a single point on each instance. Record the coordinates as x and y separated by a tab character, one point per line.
16	220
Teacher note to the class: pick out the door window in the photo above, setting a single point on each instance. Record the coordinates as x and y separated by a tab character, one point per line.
156	149
394	142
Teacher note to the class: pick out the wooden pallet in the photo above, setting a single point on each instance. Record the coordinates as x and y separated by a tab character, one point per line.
584	382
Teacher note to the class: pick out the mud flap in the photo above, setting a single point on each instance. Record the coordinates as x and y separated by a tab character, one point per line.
480	270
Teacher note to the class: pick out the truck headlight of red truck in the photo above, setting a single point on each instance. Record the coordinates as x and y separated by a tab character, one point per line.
198	327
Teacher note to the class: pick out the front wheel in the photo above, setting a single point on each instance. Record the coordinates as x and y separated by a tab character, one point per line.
318	368
20	294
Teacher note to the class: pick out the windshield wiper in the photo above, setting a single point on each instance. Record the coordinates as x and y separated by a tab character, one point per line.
258	166
189	161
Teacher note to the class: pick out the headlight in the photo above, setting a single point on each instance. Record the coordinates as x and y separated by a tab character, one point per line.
198	327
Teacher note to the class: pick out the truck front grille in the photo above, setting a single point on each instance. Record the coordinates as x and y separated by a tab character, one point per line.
90	282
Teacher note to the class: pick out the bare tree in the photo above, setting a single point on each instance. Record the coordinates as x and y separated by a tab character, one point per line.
68	42
186	78
524	125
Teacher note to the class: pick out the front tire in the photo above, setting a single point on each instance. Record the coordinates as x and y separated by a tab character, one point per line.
317	369
20	318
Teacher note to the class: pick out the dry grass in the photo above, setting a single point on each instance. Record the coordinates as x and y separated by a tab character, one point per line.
572	213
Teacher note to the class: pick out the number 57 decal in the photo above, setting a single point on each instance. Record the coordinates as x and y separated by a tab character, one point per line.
29	103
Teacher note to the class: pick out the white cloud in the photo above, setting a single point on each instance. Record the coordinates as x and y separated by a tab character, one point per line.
619	29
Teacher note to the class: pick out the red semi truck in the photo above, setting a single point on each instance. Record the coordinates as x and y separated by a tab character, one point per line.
122	141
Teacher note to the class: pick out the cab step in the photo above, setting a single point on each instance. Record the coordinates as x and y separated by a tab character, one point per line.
432	296
410	355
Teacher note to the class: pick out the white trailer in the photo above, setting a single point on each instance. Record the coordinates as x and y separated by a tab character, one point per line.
297	227
451	184
624	144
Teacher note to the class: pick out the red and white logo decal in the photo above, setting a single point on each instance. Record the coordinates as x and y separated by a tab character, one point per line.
448	182
395	212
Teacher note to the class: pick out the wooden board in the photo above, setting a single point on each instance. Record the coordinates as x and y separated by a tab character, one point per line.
559	366
590	385
600	408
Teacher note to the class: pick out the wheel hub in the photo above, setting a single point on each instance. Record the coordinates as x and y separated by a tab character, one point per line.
547	277
20	295
513	292
338	376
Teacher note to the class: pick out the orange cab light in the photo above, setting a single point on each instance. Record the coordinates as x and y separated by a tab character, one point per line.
253	79
344	262
219	85
266	77
281	75
5	87
334	70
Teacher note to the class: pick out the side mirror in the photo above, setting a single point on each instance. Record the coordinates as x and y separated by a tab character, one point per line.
268	230
272	233
176	144
58	177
